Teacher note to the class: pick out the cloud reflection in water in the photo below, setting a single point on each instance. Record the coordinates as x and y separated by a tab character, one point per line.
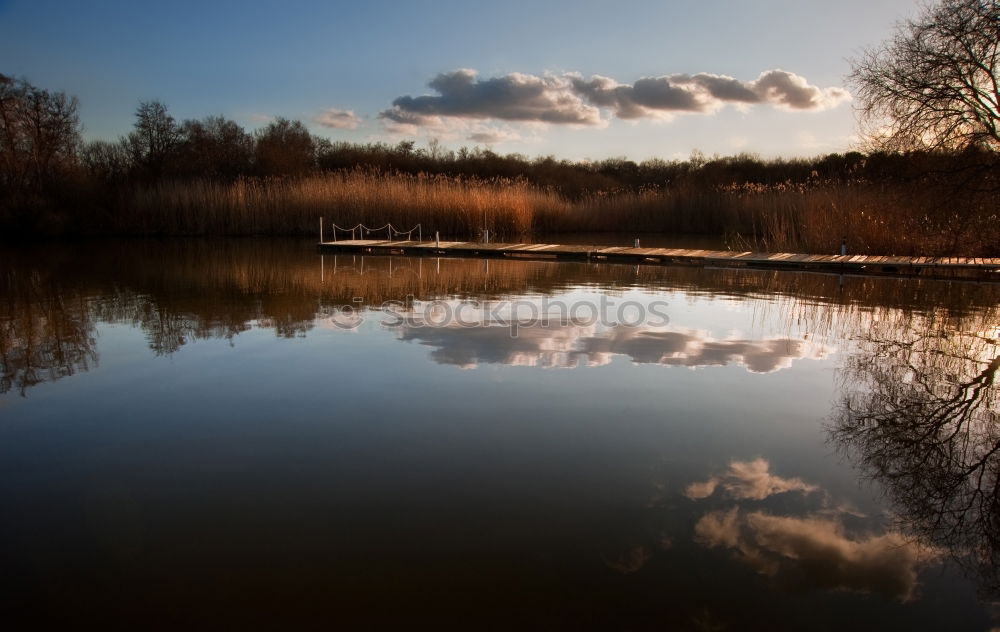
567	345
808	551
747	480
815	552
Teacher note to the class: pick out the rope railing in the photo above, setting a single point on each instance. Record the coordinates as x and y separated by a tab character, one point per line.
409	233
359	231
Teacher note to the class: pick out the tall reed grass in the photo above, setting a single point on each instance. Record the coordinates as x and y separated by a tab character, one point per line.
287	206
811	217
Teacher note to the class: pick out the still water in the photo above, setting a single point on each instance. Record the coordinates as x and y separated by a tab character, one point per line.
246	434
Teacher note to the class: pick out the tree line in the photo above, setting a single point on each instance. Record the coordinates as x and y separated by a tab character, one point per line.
41	144
45	165
928	97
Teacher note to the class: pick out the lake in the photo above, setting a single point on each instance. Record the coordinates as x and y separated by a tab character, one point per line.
248	434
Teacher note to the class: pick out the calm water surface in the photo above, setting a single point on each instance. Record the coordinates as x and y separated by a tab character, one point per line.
238	434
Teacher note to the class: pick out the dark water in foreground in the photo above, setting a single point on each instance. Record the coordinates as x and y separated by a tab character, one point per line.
196	434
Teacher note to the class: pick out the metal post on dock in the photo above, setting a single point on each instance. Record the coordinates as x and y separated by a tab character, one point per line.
321	230
636	243
437	239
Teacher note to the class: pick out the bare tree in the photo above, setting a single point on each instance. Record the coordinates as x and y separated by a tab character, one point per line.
155	137
284	148
214	147
934	85
106	161
39	133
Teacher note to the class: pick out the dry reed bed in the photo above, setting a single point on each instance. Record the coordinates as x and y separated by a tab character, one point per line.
808	218
452	206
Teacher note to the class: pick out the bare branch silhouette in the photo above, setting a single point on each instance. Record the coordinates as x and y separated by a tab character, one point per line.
934	85
919	413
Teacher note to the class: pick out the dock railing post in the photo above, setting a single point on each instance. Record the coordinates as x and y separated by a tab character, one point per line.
321	230
636	243
437	239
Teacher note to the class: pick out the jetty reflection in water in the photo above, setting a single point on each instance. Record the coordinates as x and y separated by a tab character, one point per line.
185	430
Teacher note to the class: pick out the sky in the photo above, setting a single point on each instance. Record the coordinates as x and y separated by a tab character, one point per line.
571	78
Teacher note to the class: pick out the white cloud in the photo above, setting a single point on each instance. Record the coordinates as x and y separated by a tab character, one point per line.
338	119
571	99
512	97
491	137
458	130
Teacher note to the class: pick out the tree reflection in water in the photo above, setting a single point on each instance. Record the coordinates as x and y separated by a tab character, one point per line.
55	296
918	412
44	335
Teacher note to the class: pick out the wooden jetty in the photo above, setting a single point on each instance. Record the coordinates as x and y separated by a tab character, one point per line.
863	264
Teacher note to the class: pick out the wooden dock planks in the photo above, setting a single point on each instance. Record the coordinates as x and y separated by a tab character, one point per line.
778	260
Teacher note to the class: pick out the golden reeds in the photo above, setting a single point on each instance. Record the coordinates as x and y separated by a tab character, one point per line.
810	217
453	206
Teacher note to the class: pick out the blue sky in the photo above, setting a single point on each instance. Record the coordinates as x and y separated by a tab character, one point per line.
252	60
